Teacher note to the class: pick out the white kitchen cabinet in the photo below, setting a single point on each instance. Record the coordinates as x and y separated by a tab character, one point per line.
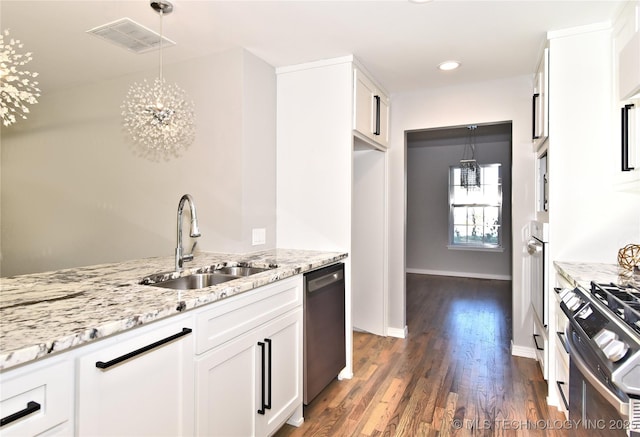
370	109
558	382
250	382
38	399
627	111
139	383
540	107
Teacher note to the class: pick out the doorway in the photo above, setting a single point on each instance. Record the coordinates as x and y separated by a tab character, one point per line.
431	228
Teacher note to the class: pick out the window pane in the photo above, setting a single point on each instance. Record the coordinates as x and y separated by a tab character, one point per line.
460	234
460	215
476	218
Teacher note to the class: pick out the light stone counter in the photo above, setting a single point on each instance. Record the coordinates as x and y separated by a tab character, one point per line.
581	274
49	312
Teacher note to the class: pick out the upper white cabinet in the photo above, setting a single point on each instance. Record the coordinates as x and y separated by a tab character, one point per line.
370	109
139	383
627	125
540	99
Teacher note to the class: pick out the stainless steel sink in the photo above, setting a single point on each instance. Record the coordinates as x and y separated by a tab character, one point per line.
240	270
194	281
200	278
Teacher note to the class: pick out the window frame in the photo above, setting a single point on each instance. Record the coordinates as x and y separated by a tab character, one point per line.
491	247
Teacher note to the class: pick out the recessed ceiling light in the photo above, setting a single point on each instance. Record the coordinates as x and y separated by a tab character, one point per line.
449	65
420	1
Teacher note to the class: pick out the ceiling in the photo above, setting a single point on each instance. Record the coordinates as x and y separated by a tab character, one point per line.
400	42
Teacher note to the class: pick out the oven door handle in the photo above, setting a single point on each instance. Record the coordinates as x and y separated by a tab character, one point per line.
621	407
534	247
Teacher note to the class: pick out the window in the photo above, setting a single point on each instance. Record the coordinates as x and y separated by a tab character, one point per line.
475	217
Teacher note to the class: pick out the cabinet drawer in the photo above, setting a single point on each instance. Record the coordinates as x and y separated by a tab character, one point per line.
41	395
239	314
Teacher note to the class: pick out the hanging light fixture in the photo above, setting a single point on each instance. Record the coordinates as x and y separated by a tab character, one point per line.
159	117
469	168
17	87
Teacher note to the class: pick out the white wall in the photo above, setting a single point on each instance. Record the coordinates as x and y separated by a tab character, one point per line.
73	193
428	165
500	100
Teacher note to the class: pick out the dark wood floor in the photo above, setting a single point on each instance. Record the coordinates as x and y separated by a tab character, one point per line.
453	375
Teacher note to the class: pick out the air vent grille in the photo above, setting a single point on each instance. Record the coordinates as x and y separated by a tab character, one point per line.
130	35
634	414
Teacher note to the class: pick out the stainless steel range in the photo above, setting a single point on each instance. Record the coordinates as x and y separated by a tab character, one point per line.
603	336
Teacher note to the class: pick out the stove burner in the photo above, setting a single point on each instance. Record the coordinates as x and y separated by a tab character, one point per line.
624	302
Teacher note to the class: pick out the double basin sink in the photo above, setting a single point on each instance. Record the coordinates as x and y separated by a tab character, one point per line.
202	277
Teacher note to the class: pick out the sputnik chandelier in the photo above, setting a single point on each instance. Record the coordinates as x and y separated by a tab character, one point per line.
17	87
159	117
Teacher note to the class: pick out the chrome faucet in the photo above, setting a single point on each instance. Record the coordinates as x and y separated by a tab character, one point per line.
195	232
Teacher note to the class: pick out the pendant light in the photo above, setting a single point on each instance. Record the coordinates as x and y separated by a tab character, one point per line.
469	168
17	87
159	117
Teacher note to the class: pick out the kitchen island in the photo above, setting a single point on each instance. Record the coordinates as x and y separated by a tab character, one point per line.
96	351
45	313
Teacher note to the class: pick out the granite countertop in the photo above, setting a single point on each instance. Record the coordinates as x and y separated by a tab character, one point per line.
49	312
581	274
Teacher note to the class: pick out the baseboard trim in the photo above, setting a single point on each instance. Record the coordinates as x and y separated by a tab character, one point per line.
398	332
459	274
523	351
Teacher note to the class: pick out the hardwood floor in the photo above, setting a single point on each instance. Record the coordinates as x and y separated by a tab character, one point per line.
453	375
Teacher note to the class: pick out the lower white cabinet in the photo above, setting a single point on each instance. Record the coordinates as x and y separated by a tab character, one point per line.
138	383
37	399
251	384
245	380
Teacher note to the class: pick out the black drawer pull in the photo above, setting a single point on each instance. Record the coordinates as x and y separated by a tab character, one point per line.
563	341
262	380
625	137
564	398
377	99
32	407
103	365
534	134
267	405
535	341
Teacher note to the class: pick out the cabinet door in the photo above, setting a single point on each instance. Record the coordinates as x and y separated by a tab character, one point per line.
226	387
251	385
282	385
37	398
541	103
363	119
371	110
149	392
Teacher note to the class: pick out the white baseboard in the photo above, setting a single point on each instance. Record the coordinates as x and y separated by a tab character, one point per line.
459	274
523	351
398	332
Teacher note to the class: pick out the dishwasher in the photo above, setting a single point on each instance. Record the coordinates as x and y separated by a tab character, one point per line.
324	328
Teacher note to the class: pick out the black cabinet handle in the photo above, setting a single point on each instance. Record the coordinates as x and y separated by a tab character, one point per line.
535	341
534	121
377	131
263	370
564	398
32	407
625	137
563	341
267	405
103	365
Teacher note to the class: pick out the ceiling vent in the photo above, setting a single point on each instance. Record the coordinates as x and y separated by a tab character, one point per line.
130	35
